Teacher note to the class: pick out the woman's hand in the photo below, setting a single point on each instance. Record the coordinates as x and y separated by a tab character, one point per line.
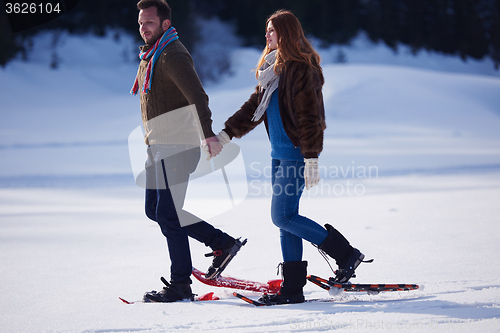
311	172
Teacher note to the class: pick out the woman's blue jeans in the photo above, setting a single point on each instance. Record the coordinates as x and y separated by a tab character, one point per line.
288	185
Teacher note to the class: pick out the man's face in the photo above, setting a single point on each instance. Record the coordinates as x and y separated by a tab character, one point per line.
150	26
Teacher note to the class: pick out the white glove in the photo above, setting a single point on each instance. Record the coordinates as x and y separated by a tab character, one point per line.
223	138
213	146
311	172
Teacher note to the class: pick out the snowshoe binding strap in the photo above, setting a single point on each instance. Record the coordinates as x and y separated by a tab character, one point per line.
264	299
343	275
177	290
216	253
222	258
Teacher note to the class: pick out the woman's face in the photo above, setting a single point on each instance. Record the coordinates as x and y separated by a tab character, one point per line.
271	37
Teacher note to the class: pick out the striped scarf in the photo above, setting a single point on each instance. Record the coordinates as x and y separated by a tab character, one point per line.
169	36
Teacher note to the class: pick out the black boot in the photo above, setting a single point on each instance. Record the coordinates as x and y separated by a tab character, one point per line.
222	257
347	257
294	280
173	292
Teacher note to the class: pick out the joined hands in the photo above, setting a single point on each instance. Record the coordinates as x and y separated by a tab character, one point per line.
213	146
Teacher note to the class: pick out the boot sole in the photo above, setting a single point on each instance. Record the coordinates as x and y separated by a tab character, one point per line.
356	264
232	253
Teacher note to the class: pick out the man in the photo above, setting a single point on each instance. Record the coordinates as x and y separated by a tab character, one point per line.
175	113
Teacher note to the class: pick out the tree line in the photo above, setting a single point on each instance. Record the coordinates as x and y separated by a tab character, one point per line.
467	28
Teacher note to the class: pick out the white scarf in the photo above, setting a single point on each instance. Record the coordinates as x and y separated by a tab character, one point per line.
268	81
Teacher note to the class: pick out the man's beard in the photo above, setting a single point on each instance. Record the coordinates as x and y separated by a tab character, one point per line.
156	35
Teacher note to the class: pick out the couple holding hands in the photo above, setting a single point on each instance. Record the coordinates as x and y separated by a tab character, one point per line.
288	100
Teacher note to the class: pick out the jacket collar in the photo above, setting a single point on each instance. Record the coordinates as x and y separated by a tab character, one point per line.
146	47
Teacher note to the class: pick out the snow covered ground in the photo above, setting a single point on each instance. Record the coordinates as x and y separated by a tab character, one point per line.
411	175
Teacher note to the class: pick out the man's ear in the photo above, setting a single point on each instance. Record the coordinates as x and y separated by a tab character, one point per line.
166	25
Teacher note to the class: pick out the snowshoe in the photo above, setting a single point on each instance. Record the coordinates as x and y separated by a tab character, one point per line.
222	258
173	292
342	275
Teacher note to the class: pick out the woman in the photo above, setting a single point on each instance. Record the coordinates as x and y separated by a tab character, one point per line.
289	100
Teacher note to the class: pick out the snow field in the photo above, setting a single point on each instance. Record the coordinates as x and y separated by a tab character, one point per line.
68	254
73	235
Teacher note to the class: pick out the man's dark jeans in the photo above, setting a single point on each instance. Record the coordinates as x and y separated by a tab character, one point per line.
164	205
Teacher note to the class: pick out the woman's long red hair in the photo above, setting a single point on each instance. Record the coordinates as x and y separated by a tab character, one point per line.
292	43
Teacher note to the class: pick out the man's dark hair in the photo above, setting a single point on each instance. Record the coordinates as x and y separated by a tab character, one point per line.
162	8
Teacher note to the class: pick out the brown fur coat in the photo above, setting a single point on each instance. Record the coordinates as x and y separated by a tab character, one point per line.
301	109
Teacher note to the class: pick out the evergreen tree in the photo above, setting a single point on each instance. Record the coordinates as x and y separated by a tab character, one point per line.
468	28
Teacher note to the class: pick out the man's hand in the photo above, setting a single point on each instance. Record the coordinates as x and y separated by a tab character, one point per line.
213	146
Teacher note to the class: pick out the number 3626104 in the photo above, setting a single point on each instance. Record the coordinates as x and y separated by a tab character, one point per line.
32	8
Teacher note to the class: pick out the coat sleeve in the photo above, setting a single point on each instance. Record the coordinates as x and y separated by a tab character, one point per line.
307	101
241	122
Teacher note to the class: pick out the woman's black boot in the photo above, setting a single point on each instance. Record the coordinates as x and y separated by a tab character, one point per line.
347	257
294	280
